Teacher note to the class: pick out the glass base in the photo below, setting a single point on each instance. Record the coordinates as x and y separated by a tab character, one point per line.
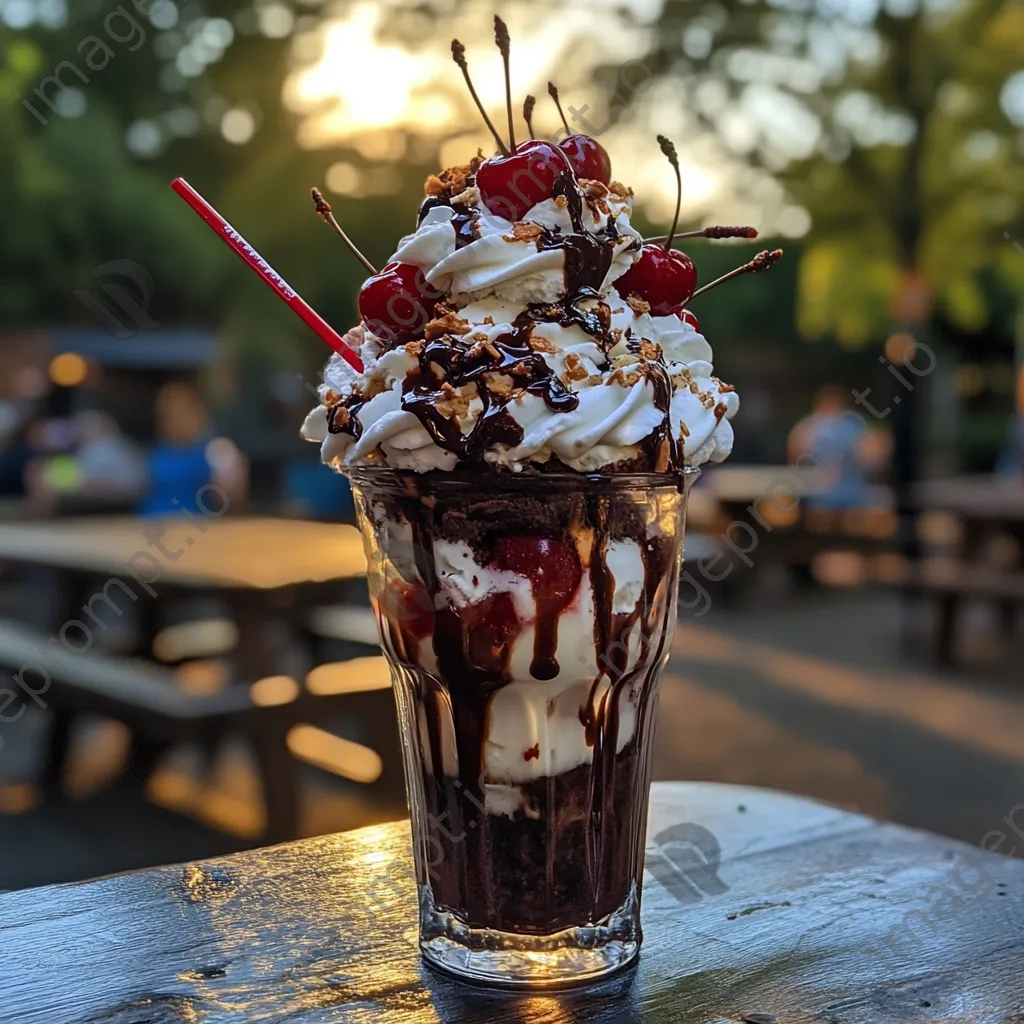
511	960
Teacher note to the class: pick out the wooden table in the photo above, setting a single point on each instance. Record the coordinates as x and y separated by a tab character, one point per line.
228	554
264	571
976	498
990	509
260	567
812	914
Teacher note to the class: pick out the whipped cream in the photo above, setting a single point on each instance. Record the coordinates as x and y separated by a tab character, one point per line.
524	303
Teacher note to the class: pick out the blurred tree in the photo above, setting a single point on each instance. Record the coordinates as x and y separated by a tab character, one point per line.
118	103
900	129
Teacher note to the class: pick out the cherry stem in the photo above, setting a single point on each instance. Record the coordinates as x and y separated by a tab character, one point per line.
553	93
501	37
528	105
324	209
715	231
670	151
760	263
459	56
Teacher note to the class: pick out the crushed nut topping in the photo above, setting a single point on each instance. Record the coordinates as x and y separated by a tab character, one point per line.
499	384
541	344
434	186
331	397
707	399
574	369
561	202
720	410
684	430
722	386
649	350
415	348
621	191
604	315
453	405
619	376
638	305
523	232
467	197
483	344
450	323
684	379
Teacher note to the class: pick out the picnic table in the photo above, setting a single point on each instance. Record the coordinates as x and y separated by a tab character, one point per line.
987	508
264	571
257	566
758	515
758	907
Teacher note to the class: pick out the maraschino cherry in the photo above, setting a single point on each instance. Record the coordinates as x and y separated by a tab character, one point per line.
688	318
520	176
510	186
397	302
551	565
588	157
664	278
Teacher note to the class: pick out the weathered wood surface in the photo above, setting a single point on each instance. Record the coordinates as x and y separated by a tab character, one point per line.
813	914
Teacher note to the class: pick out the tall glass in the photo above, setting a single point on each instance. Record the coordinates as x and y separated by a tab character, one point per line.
526	619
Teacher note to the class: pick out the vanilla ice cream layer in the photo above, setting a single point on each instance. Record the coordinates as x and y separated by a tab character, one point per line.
534	726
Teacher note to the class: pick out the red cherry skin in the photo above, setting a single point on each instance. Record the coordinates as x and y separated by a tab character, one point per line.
397	302
664	280
688	318
552	567
511	186
488	627
588	157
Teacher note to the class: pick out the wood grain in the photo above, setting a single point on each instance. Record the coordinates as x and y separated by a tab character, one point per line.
798	928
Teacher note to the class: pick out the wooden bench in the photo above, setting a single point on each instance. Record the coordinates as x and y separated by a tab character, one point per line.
145	697
949	582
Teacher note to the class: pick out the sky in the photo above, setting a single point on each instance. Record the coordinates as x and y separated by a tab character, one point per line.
354	85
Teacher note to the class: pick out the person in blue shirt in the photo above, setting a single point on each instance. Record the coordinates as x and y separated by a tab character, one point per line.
177	464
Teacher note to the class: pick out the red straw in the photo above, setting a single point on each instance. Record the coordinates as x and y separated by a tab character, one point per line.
270	276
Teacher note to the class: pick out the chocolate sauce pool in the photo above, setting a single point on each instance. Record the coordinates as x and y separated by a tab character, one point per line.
572	849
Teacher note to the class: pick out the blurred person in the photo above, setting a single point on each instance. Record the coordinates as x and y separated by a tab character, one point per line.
185	458
109	464
845	460
100	467
177	466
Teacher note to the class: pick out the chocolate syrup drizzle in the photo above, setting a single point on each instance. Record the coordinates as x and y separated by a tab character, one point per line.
456	361
574	849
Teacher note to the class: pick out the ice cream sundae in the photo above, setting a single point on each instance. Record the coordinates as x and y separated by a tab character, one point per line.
535	397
